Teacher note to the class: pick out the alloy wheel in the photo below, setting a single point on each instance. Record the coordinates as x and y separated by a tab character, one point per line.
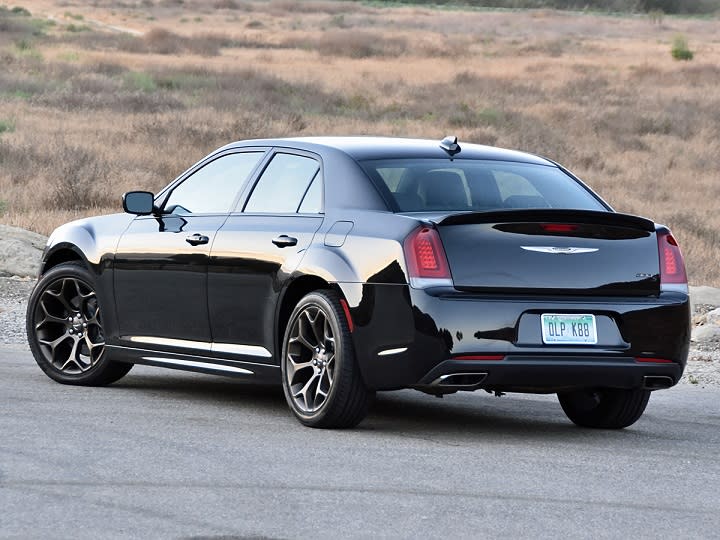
310	362
68	327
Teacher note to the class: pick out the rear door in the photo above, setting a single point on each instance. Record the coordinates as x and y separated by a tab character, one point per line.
258	248
160	268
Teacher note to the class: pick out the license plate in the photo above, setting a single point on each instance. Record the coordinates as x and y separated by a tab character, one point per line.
569	329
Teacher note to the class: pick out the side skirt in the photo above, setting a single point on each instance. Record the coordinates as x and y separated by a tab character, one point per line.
249	371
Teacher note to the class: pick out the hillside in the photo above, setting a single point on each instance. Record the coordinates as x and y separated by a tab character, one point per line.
616	6
99	99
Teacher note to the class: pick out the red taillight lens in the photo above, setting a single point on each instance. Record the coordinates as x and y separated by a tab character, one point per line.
653	360
672	265
425	255
558	227
485	357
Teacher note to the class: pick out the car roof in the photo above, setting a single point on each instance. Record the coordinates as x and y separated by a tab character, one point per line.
368	148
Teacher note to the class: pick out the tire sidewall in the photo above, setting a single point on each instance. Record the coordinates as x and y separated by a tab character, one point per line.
65	270
343	354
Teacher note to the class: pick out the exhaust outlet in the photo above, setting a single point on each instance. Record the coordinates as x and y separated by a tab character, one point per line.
657	382
460	380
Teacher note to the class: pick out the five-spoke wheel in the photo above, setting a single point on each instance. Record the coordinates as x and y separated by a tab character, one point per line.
321	380
310	359
65	330
67	325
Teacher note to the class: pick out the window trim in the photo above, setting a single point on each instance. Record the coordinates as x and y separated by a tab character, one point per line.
164	194
248	191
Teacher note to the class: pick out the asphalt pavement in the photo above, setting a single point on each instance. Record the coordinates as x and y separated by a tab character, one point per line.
167	454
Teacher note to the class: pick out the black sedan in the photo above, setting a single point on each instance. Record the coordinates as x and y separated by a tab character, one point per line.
344	266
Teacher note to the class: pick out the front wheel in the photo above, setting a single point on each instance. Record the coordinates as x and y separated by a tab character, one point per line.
65	329
605	408
321	379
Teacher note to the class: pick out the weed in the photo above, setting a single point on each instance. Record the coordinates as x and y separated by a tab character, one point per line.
338	21
69	56
17	10
140	81
656	16
359	44
225	4
680	49
7	126
79	179
77	27
75	16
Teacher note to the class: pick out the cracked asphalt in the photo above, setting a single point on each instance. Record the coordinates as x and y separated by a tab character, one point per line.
166	454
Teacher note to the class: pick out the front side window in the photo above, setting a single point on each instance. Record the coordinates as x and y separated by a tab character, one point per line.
212	189
283	185
431	185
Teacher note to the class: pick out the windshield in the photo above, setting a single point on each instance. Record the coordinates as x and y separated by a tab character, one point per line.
429	185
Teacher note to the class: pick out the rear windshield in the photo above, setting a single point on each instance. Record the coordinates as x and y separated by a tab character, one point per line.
427	185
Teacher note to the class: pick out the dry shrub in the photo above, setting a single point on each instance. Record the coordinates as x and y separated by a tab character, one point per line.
162	41
350	44
359	44
155	41
78	178
284	7
226	4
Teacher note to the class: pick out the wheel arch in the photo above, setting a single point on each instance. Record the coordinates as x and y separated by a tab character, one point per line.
62	253
293	293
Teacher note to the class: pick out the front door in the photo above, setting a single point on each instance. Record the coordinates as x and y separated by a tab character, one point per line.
161	262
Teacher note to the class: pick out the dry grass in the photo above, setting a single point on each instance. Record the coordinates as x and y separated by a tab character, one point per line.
99	112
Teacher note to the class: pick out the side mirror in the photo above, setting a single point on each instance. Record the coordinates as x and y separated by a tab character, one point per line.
141	203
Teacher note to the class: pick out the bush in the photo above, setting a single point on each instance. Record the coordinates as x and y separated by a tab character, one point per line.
17	10
360	44
680	50
80	179
6	126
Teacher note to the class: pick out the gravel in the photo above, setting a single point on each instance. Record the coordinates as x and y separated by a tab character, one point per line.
14	293
703	367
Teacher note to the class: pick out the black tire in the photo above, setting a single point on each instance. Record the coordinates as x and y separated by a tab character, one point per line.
64	329
605	408
340	399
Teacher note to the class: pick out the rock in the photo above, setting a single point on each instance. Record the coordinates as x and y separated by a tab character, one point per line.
705	295
20	251
707	333
713	317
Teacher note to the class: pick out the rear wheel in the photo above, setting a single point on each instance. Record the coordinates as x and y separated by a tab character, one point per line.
65	331
321	379
605	408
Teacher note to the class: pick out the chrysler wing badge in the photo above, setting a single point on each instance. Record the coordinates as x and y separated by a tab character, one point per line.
559	250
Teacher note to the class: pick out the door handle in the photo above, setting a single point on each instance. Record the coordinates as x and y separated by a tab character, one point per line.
197	239
284	241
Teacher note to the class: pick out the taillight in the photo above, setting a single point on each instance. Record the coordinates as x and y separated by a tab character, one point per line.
672	265
558	227
426	261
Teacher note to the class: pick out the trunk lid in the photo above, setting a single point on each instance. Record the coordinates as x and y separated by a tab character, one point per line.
551	251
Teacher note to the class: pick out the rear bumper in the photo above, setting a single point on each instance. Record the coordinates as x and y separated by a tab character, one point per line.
540	374
407	338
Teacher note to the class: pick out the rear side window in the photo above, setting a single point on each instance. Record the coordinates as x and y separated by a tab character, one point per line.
430	185
283	186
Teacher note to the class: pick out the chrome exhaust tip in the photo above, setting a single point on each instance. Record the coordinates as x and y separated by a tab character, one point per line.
657	382
460	381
